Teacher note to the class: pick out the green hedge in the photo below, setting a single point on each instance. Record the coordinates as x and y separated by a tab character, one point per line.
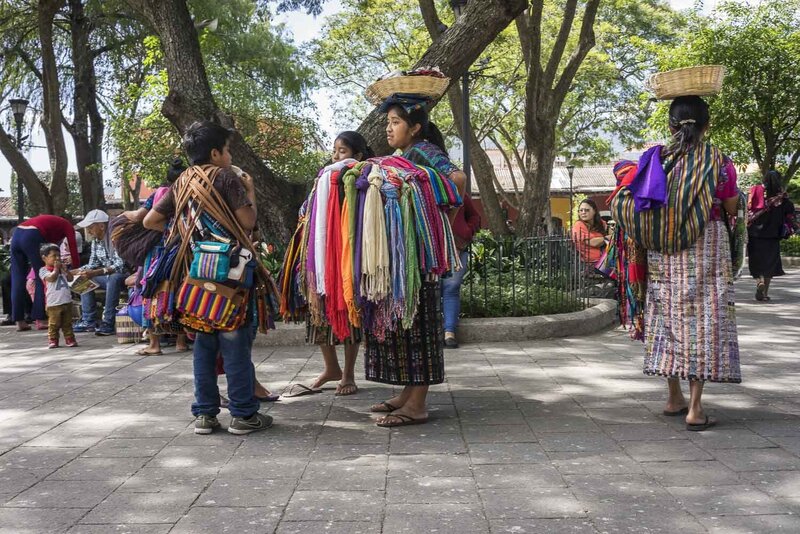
791	246
510	301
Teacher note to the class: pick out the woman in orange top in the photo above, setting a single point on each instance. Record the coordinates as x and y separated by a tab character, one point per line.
589	232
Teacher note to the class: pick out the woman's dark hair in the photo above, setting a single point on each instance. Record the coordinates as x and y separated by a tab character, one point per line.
597	221
176	168
688	118
356	142
428	132
773	183
203	137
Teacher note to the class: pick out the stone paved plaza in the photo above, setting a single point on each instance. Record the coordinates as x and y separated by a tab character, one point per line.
549	436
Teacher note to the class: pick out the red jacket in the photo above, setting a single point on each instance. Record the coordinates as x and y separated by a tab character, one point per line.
54	229
466	224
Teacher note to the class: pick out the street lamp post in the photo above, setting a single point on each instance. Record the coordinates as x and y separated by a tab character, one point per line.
18	108
571	171
458	8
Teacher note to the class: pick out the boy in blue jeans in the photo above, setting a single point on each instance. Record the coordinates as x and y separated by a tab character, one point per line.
207	145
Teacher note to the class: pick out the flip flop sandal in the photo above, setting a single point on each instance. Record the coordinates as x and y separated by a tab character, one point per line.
385	408
145	352
404	420
299	390
269	398
340	387
760	290
708	423
682	411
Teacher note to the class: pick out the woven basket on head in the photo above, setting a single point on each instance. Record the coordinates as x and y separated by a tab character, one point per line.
429	86
701	80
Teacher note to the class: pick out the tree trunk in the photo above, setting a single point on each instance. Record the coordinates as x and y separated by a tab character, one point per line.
38	196
190	100
52	118
538	174
88	142
480	162
453	53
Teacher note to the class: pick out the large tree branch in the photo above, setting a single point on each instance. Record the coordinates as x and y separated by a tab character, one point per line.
38	195
586	42
561	42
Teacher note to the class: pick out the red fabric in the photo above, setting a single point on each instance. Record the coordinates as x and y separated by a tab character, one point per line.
336	307
54	229
467	222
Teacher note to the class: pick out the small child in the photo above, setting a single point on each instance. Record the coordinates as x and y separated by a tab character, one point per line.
58	297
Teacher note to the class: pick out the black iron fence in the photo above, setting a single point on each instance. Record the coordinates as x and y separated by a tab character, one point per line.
521	277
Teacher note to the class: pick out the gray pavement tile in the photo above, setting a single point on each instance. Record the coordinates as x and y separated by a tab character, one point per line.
38	457
64	494
567	423
431	490
729	438
537	526
644	432
351	475
498	434
200	457
702	473
440	518
126	448
122	507
374	453
328	527
335	506
509	476
155	428
432	465
578	442
264	467
215	520
353	433
15	480
664	451
775	483
418	440
759	460
624	490
235	493
647	521
726	500
38	520
621	415
590	463
167	480
530	502
493	393
789	443
755	524
121	529
491	417
99	469
506	453
491	403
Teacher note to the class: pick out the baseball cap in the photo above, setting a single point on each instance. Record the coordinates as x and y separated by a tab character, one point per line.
94	216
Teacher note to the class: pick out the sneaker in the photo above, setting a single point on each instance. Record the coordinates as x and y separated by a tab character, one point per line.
71	342
205	424
53	344
105	329
83	326
450	343
242	425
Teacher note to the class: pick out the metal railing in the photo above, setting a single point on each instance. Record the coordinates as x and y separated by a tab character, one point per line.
521	277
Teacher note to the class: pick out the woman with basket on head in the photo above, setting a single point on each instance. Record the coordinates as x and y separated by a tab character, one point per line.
672	207
770	218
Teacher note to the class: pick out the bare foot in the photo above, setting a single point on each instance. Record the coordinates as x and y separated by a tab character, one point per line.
410	415
344	389
676	406
324	378
394	402
260	390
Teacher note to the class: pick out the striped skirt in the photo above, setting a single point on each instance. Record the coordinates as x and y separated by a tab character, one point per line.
412	357
690	319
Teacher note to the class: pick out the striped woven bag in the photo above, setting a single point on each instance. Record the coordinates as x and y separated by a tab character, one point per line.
691	181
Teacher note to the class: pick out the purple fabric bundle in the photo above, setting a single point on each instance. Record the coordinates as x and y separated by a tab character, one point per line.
649	187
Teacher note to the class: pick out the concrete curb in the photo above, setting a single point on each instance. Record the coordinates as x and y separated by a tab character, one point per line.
601	314
790	261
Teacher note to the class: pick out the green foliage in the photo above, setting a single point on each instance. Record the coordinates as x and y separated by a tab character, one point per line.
757	114
791	246
517	278
74	205
5	260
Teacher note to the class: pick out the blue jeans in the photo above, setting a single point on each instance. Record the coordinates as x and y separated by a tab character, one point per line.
113	284
451	294
235	348
25	245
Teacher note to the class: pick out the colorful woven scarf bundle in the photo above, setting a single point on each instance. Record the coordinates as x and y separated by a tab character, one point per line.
367	235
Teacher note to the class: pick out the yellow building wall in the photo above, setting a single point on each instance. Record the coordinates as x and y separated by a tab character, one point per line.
559	207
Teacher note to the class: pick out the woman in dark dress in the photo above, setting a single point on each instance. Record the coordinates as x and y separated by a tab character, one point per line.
413	358
769	209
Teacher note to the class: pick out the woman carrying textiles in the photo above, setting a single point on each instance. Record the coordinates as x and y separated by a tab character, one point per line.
673	206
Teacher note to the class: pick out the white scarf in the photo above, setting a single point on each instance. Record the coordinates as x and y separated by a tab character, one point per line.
321	220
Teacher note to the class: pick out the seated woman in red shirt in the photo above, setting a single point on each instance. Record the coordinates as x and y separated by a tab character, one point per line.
589	232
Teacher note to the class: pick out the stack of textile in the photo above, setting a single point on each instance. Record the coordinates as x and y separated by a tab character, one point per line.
369	234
